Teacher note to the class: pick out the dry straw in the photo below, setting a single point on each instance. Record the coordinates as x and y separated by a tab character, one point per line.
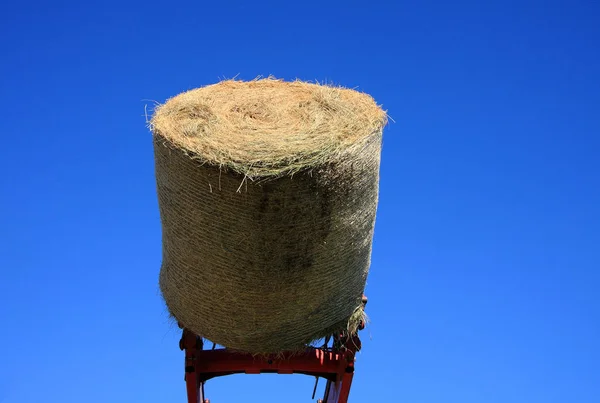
267	192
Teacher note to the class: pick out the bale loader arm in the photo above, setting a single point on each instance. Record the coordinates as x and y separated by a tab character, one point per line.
335	364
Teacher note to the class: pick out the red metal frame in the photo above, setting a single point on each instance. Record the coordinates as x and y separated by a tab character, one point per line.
335	364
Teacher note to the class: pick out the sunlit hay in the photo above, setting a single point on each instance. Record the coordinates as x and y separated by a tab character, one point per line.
267	193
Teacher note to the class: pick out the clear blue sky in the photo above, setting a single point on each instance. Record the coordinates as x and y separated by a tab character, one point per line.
485	279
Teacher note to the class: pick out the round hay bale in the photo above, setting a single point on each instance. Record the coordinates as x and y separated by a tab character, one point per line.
267	193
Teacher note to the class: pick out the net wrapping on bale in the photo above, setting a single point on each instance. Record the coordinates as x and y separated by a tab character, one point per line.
267	193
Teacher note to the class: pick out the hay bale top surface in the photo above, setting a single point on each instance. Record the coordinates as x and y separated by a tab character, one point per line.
267	127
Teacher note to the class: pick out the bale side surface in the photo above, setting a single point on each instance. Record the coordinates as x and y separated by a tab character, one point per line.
273	266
